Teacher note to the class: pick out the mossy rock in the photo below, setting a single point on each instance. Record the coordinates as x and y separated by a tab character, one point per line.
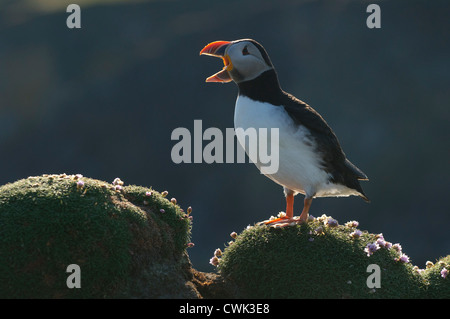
316	260
438	282
127	241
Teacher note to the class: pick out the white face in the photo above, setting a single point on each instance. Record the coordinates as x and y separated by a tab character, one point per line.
247	61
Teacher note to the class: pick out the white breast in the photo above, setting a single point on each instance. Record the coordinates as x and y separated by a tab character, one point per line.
300	168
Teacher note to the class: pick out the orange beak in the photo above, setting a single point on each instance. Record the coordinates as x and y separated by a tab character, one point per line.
218	49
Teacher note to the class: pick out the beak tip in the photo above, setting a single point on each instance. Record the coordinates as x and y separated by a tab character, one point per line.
217	49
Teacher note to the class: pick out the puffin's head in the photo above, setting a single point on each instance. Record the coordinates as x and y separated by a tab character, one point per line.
244	60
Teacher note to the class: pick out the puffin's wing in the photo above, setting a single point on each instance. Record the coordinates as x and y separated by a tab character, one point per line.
356	171
334	159
324	136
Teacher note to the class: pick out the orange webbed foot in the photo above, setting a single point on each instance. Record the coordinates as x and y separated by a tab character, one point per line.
282	221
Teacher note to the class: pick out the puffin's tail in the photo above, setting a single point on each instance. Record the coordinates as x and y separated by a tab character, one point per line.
360	176
363	196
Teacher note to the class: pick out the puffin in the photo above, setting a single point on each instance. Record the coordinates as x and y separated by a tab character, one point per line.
310	158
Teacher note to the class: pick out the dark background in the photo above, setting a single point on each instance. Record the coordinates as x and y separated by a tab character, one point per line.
103	101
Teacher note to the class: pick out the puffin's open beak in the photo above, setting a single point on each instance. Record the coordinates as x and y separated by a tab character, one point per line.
217	49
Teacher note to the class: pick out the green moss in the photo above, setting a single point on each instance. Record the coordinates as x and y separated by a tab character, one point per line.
304	262
438	286
48	223
173	215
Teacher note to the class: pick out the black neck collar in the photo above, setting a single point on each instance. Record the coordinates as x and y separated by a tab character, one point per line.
264	88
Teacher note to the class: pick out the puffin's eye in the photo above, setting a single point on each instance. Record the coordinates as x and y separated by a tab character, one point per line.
245	51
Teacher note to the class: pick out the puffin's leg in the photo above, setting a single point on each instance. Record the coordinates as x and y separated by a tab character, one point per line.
289	218
307	204
289	209
290	206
